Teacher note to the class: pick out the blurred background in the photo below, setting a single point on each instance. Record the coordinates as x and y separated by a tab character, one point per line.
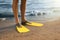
34	8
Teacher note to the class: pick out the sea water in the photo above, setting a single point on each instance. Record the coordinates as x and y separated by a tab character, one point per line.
46	8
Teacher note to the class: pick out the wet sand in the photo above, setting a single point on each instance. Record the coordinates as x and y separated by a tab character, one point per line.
50	31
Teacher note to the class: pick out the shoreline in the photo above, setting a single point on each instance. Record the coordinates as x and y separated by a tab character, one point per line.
50	31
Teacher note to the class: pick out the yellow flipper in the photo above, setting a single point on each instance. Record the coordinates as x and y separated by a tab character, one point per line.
22	29
34	24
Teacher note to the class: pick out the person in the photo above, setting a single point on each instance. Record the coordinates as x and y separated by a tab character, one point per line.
20	26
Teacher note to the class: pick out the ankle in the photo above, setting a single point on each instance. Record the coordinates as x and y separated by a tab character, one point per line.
23	21
18	24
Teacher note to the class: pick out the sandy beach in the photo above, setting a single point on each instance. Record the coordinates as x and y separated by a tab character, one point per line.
46	12
50	31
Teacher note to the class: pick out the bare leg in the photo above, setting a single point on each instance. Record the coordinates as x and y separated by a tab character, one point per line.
19	28
23	8
15	10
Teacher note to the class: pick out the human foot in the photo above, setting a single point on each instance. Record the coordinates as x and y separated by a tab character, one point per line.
32	23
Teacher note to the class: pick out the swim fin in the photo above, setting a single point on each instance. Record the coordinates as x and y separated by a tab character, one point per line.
34	24
22	29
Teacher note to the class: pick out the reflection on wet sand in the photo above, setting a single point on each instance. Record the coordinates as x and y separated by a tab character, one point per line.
50	30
